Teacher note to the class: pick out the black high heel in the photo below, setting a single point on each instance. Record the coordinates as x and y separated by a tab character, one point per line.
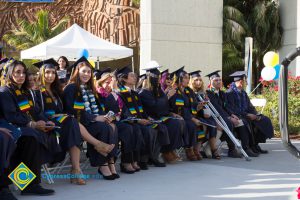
109	177
124	170
115	175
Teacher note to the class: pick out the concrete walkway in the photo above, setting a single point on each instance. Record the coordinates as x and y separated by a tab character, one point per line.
273	176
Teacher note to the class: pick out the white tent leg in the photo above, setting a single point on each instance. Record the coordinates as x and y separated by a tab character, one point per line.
132	63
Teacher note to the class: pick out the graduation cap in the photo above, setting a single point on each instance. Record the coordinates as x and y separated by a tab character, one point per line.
49	63
238	75
98	74
195	74
142	77
123	71
82	59
178	73
153	72
213	75
164	72
151	65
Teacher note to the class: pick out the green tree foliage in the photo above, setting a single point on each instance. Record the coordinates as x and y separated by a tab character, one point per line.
259	19
28	34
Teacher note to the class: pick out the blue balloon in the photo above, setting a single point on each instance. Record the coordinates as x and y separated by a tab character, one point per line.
277	69
83	52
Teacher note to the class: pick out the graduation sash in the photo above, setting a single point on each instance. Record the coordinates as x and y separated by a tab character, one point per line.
24	100
132	102
49	106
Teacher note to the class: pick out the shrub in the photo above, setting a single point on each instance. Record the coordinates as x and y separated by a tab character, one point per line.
270	92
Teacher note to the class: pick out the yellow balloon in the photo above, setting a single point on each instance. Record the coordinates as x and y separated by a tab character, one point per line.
268	58
275	60
92	63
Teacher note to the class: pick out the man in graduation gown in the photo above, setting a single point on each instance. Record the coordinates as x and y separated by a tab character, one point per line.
218	100
241	106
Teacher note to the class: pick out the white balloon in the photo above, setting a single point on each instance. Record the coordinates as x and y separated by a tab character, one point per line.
268	57
268	73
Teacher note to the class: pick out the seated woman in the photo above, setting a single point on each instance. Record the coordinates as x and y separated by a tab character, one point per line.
156	105
129	134
126	82
180	105
81	100
71	133
37	143
196	87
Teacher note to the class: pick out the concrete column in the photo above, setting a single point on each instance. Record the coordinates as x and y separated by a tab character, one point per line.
177	33
290	16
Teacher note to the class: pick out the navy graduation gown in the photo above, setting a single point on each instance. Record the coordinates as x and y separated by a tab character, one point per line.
189	136
12	114
69	132
7	147
158	108
150	135
209	122
129	135
263	128
100	130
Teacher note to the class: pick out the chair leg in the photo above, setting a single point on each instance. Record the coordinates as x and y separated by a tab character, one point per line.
48	175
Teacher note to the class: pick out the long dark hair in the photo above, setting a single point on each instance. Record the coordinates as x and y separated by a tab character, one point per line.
121	79
9	81
66	60
76	79
55	87
154	86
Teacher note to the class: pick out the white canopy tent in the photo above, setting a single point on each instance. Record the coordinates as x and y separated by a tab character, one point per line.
70	42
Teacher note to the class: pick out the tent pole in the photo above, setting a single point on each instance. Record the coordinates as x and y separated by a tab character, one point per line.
132	62
98	63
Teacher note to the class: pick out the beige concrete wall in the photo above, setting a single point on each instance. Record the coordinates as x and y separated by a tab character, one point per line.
177	32
290	15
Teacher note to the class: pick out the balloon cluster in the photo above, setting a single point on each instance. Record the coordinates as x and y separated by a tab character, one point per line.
272	66
85	53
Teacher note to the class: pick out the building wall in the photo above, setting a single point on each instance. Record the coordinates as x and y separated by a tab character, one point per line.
290	15
177	33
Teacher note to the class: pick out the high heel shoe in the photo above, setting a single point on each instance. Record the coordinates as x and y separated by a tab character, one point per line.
115	174
124	170
109	177
77	180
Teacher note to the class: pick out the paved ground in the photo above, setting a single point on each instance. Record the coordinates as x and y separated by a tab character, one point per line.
274	176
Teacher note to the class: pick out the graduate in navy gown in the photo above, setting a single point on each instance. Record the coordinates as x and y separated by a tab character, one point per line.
240	105
49	98
196	87
181	107
81	100
126	82
129	134
156	105
37	143
219	100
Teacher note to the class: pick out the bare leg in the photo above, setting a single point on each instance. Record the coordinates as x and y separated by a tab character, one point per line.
100	146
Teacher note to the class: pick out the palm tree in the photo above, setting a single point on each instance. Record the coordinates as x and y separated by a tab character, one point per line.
29	34
259	19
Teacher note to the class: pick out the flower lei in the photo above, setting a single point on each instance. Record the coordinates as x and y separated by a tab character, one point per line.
89	99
